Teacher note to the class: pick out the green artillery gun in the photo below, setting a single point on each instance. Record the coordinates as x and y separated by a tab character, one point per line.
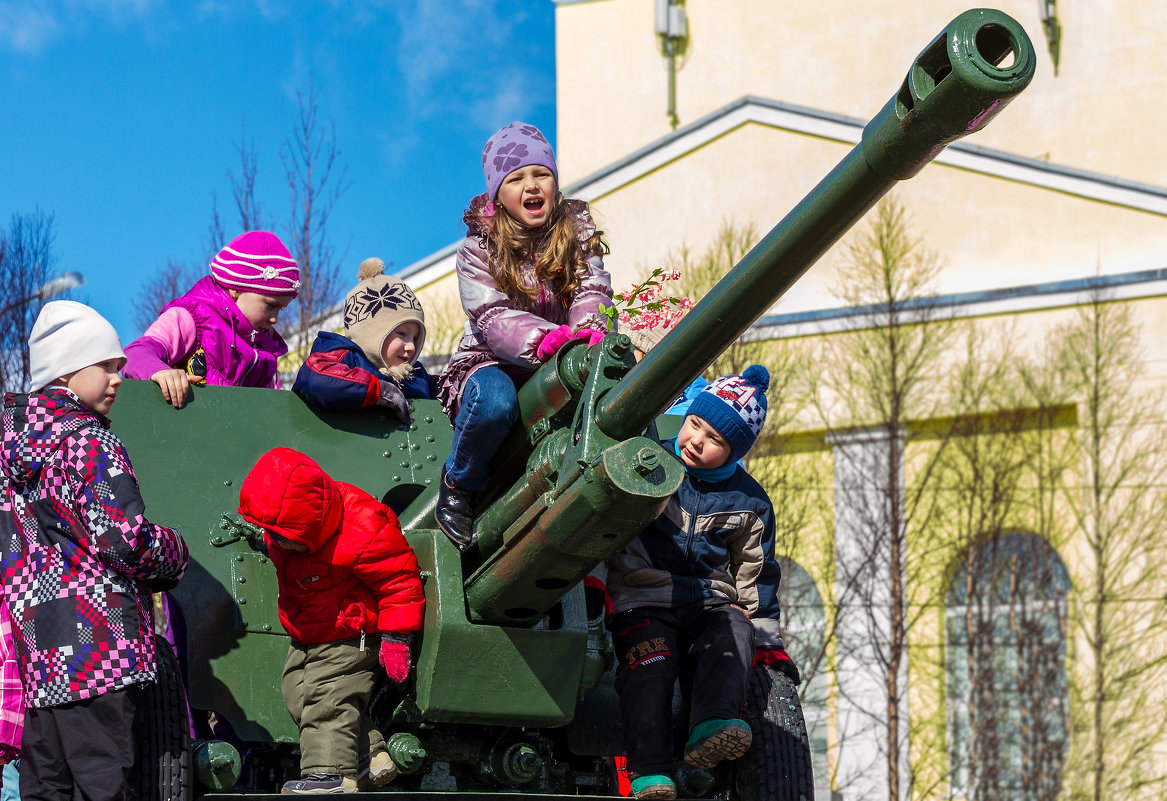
512	688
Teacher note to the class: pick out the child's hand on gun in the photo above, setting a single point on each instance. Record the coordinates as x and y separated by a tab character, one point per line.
395	655
174	384
591	336
552	341
394	398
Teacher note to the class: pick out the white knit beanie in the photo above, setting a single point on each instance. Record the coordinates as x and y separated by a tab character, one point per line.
67	336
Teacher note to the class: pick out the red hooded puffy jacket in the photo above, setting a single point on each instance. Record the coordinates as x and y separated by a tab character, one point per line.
358	573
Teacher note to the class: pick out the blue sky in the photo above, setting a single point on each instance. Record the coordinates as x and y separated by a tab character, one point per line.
123	117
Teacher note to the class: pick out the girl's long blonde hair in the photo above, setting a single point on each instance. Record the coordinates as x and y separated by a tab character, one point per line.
559	255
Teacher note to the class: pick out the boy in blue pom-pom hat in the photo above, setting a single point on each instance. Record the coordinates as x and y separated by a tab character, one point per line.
699	588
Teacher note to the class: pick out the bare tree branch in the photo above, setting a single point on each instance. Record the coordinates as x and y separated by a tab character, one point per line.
1118	510
316	181
445	322
27	264
169	282
877	381
243	187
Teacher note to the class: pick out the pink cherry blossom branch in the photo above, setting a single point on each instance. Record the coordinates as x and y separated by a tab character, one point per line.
646	306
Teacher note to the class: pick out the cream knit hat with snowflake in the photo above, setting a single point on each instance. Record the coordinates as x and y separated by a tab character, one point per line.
376	306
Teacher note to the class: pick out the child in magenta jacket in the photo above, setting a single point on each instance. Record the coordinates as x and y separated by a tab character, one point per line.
350	595
222	331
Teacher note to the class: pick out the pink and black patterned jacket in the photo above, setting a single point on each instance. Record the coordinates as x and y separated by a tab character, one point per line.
79	559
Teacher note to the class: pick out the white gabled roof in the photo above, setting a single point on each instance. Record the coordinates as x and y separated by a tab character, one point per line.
847	130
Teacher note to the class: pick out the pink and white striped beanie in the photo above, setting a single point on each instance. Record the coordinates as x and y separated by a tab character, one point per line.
257	261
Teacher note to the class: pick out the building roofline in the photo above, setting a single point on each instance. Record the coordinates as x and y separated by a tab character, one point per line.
1092	186
1005	300
849	130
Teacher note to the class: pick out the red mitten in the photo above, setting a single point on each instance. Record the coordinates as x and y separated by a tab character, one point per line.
590	335
395	655
777	658
553	341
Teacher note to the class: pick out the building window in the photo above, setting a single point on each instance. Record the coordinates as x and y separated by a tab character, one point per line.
1006	663
803	627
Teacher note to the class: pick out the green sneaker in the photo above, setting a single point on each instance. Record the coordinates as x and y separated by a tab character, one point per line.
716	740
654	786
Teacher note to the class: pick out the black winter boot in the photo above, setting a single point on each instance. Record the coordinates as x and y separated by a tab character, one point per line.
455	513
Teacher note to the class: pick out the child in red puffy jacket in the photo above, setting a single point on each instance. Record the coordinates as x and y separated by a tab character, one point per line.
346	576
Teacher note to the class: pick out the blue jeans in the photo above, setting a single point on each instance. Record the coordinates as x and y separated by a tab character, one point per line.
489	408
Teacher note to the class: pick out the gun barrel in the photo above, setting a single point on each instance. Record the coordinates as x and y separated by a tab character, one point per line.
979	63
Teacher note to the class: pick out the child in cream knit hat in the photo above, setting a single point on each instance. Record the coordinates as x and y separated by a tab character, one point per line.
375	362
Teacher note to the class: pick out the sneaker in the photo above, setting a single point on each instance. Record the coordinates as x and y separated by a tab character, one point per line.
654	786
716	740
320	784
377	771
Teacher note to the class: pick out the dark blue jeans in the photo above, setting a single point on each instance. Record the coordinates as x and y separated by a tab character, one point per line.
489	408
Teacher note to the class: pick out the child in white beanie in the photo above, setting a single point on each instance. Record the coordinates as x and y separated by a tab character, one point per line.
79	562
375	362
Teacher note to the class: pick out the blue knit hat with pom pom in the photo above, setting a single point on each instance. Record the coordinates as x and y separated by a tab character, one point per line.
736	406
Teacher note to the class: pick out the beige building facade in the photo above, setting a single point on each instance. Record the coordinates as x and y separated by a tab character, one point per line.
1064	192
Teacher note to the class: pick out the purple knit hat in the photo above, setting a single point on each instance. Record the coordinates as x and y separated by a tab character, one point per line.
257	261
517	145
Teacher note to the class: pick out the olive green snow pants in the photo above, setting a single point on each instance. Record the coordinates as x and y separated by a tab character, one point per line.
327	689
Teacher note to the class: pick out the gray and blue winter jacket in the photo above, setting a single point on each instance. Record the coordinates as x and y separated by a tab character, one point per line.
713	544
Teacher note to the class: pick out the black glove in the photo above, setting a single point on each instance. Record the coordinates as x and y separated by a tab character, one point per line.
394	398
161	584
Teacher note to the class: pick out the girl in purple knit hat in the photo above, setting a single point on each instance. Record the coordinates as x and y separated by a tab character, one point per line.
531	274
222	331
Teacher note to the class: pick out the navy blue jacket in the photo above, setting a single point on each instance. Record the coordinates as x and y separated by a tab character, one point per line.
713	544
338	375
